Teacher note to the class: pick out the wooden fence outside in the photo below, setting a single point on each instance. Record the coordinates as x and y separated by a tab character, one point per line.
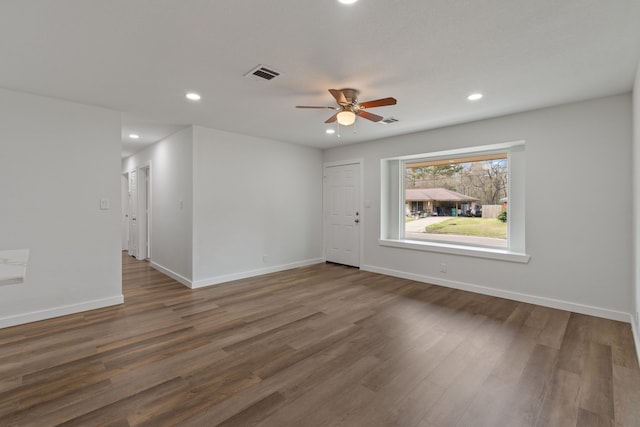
491	211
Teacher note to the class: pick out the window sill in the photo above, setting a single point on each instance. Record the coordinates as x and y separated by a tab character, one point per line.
472	251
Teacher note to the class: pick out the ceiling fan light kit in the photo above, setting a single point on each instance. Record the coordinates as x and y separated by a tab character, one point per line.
346	117
349	107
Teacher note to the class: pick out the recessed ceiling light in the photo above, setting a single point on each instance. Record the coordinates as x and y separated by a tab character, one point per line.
330	131
134	136
193	96
474	96
347	1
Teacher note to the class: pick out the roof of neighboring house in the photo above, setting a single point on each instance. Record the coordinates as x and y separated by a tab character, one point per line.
436	194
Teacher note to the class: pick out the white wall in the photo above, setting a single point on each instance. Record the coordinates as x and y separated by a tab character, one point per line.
57	160
171	164
636	206
254	197
578	207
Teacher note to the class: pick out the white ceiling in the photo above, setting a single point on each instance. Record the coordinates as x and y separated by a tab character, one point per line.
141	56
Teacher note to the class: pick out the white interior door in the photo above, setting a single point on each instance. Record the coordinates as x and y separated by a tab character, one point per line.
342	214
133	211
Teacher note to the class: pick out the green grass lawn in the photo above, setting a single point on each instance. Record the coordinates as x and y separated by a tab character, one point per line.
485	227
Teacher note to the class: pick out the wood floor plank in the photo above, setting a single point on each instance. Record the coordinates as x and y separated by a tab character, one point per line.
554	330
561	404
499	392
323	345
256	412
591	419
138	407
320	404
449	409
626	388
596	389
574	346
533	386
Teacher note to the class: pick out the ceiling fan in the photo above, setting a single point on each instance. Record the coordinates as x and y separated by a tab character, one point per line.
349	108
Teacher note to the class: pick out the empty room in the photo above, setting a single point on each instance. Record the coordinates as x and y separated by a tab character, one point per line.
319	213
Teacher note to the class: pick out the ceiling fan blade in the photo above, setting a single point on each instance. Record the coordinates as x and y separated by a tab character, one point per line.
333	118
322	108
339	96
369	116
378	103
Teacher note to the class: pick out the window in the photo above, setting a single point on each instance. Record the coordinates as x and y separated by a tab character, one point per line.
457	199
416	207
466	201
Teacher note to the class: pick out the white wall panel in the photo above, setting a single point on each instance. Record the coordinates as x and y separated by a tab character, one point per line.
258	205
58	160
578	205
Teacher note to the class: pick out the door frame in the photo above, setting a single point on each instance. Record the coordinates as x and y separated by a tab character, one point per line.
143	203
363	217
143	222
134	232
124	210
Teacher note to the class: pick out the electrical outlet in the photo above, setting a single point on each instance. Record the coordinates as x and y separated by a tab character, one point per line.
443	268
265	258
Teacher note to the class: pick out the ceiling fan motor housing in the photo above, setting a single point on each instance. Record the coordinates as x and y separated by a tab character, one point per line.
351	96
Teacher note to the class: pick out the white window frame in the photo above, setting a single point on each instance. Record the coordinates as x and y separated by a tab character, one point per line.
392	206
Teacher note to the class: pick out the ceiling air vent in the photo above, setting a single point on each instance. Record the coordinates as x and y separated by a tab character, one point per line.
388	120
262	72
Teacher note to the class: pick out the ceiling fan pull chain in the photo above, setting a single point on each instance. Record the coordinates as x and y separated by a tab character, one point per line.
338	129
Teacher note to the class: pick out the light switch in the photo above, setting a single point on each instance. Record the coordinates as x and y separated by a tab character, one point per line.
104	204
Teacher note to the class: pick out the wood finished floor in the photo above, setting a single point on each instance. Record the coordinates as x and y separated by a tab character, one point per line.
324	345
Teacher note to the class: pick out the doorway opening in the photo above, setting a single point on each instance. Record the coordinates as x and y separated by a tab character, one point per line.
136	212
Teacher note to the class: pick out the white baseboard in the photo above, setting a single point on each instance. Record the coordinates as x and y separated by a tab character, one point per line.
50	313
516	296
252	273
178	277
